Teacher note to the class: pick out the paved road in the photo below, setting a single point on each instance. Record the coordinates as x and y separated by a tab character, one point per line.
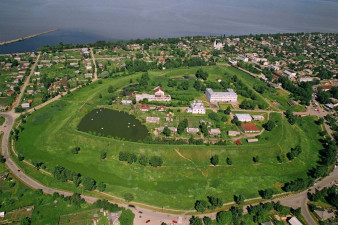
155	217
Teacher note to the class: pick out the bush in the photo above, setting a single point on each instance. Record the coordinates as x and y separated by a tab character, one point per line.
155	161
201	205
267	193
214	160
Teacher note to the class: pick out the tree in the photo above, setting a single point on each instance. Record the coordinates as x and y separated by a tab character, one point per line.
166	131
214	116
224	217
227	111
214	160
239	199
88	183
201	74
255	159
181	126
111	89
103	155
207	220
247	104
127	217
75	150
143	160
195	221
215	202
2	159
201	205
155	161
128	197
185	85
269	125
267	193
229	161
101	186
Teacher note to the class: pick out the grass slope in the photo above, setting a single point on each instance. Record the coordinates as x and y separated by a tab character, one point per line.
51	132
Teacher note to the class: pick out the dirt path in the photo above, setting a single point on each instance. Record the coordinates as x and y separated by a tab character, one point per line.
23	88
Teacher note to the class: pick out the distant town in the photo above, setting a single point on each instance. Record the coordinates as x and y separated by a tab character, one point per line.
191	130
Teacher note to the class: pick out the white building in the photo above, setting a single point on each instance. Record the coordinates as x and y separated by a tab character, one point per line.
294	221
243	58
157	96
243	117
153	119
258	117
126	102
196	107
275	68
291	74
232	133
25	105
191	130
305	79
229	96
215	131
218	45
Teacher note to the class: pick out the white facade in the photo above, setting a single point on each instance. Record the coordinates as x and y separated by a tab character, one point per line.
196	107
243	117
158	96
229	96
305	79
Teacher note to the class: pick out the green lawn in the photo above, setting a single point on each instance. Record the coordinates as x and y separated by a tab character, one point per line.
51	132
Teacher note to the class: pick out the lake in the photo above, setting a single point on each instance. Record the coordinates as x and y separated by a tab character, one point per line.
113	123
130	19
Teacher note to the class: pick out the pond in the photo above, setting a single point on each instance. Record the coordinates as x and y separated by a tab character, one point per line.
113	123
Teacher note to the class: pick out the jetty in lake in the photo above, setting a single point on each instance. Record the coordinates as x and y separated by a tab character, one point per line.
27	37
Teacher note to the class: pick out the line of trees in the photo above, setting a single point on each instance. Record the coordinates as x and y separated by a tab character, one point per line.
154	161
64	175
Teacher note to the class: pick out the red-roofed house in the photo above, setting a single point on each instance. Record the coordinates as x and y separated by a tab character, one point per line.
250	128
144	107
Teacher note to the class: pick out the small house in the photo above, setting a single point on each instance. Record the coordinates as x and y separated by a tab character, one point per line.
25	105
324	214
214	132
294	221
258	117
153	119
126	102
252	140
191	130
232	133
144	107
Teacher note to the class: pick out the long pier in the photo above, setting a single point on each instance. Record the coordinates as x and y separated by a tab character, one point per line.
27	37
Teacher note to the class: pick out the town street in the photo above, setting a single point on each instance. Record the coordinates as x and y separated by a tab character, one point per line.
142	212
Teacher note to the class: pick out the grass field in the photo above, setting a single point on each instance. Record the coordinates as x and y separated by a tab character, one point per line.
51	132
